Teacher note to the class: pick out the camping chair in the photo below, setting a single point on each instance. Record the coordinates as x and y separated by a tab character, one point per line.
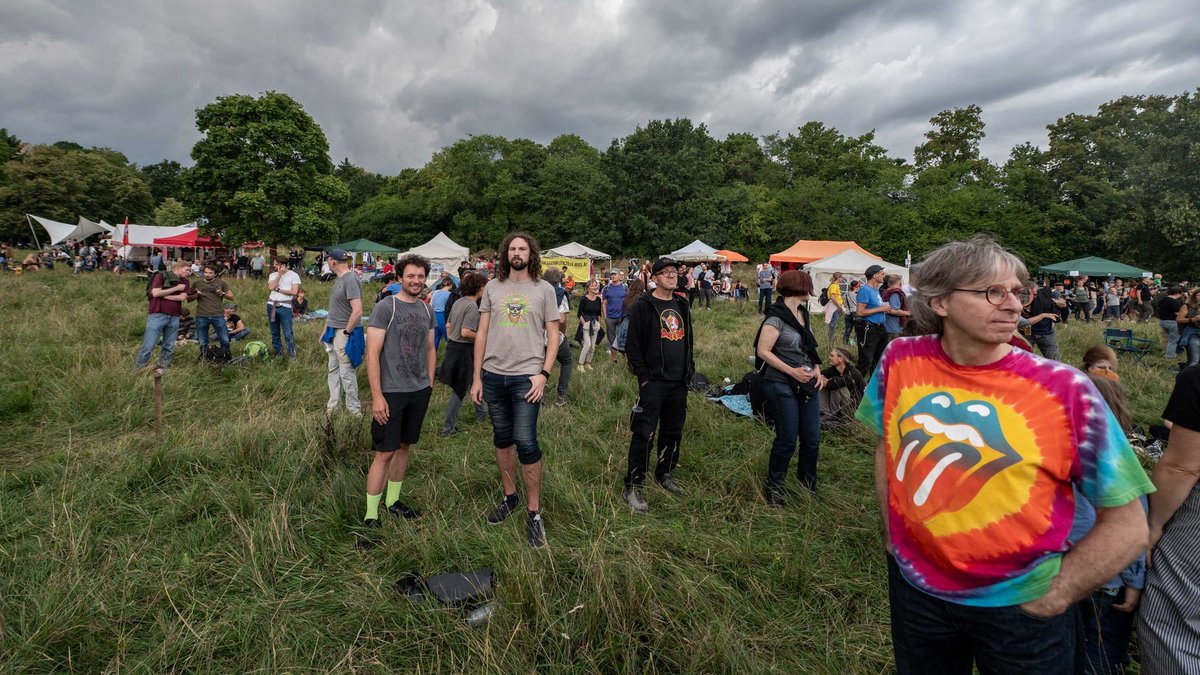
1123	342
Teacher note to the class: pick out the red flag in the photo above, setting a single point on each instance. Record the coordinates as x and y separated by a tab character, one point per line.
125	236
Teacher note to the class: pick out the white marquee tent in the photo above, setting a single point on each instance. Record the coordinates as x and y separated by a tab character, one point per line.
852	264
576	250
697	251
144	235
442	250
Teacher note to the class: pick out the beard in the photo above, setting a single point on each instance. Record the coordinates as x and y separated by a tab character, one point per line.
518	264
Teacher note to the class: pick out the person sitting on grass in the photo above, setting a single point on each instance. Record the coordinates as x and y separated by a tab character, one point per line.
233	323
1101	361
187	326
300	304
843	388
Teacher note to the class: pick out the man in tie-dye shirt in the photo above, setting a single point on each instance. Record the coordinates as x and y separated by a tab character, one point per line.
983	447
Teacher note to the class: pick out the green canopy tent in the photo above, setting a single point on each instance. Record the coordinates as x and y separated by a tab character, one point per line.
1094	267
363	246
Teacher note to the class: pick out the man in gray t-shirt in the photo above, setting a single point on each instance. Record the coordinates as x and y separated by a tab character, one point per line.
400	365
345	314
518	318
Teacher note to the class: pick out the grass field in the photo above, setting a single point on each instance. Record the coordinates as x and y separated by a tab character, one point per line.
228	545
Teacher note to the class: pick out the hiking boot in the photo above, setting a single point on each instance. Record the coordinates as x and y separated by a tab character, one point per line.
502	511
560	401
535	529
635	500
670	484
449	432
400	509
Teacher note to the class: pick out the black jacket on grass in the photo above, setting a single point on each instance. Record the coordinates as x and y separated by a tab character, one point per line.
643	343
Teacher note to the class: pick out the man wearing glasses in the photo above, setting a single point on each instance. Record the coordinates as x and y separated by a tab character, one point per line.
985	449
659	349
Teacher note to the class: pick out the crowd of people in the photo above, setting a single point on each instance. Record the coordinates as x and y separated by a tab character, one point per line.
1021	531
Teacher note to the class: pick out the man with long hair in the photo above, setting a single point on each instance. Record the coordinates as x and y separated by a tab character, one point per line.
984	448
518	318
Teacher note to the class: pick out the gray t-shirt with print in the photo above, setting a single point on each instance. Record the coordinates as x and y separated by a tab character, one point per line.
516	340
464	314
345	288
403	361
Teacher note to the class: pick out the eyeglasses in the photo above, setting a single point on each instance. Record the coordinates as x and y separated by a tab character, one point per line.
997	294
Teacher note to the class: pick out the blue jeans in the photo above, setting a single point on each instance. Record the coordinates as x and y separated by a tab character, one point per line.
218	323
1106	633
280	320
764	298
514	420
163	327
794	420
931	636
1171	328
439	329
1190	339
240	335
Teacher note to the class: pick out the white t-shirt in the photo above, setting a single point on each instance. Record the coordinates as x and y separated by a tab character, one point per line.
289	281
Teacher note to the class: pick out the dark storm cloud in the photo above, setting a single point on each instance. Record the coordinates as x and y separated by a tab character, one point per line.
392	82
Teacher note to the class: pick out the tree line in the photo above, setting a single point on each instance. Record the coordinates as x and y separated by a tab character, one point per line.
1123	182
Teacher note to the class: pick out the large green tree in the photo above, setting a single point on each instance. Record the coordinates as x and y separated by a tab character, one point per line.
664	178
63	184
165	180
263	172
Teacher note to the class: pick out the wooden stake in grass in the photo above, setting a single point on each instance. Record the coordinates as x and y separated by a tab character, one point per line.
158	425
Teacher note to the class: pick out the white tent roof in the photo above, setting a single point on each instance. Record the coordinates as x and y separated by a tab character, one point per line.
442	249
852	264
576	250
87	228
60	232
695	252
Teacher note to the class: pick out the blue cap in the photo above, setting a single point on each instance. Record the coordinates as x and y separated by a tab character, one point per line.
338	254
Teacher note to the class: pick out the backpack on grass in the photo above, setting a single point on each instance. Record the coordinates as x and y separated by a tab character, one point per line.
255	349
216	353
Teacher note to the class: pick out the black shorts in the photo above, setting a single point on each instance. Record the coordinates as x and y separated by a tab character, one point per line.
406	413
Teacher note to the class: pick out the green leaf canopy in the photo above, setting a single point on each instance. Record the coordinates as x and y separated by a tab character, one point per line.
363	246
1094	267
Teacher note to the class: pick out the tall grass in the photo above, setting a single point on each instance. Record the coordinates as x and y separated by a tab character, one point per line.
226	546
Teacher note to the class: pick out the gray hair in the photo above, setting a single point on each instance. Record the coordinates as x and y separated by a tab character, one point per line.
959	264
552	275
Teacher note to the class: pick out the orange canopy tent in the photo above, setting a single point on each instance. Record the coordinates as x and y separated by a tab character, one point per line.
732	256
808	250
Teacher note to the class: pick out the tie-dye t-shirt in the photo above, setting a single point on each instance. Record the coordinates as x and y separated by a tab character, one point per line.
981	461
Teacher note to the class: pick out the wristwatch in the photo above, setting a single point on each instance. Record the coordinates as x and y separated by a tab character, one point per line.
345	331
545	374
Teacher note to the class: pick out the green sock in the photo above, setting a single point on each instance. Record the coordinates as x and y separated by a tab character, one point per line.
393	492
372	507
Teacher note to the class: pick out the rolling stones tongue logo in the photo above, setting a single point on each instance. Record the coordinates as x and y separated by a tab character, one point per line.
948	452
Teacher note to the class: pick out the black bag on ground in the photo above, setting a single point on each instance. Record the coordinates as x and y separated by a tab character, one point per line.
216	353
454	588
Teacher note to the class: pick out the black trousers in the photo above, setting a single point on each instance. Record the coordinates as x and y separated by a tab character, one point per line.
870	348
660	406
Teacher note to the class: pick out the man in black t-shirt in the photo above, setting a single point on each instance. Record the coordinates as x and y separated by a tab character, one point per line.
1145	297
1168	311
659	348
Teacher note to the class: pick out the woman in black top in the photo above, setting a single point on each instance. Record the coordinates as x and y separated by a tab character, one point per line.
589	324
788	359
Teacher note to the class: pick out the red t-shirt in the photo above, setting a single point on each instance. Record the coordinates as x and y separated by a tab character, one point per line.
163	305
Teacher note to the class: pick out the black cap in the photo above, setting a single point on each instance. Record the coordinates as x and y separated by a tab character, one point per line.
873	270
663	263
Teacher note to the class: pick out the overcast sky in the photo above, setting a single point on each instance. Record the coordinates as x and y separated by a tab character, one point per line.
391	82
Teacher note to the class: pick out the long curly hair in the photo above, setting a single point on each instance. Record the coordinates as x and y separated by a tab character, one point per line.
535	256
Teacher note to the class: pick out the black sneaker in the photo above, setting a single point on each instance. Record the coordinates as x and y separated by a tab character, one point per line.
775	498
399	508
535	529
670	484
502	511
367	541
